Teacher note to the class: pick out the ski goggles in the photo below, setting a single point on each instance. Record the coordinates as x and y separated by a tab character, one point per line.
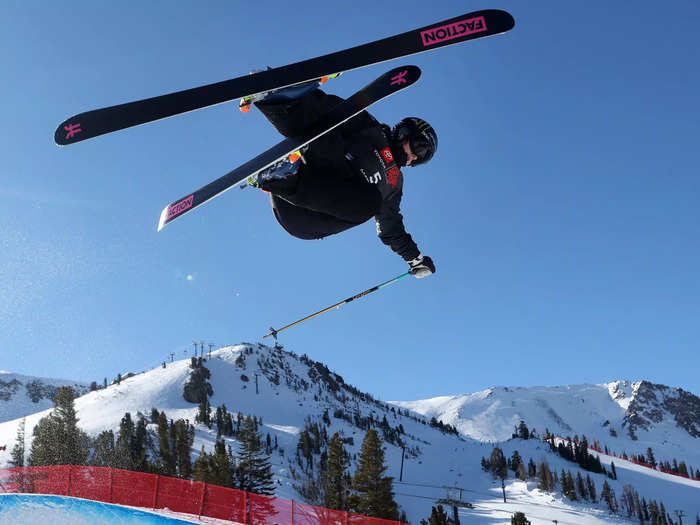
421	144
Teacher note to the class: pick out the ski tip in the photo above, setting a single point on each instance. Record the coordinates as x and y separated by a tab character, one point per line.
505	20
163	218
402	76
174	210
68	132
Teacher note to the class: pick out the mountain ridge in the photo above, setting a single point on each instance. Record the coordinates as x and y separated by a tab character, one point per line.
287	392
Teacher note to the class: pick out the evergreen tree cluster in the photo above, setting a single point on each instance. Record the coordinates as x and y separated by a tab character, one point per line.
679	468
249	469
165	450
443	427
637	508
576	451
175	440
438	516
523	432
329	484
576	487
390	434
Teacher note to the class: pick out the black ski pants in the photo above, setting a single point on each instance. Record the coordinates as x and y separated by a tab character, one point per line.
324	197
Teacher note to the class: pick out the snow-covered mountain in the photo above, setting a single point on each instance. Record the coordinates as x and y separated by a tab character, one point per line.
286	390
624	416
21	395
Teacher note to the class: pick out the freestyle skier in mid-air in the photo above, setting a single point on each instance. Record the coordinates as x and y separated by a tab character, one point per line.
346	176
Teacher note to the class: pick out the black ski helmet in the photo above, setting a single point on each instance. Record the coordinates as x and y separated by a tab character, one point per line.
421	137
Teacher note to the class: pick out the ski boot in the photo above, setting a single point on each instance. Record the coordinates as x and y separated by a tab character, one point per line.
288	93
282	169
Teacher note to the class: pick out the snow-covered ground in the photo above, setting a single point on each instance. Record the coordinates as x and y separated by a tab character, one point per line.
440	460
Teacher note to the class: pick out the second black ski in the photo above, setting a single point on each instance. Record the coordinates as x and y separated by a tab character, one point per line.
387	84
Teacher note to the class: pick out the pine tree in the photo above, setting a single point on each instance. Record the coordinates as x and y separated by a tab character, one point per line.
57	438
104	454
167	465
497	464
591	488
203	470
17	458
581	486
515	461
523	431
305	449
650	457
531	469
638	508
182	440
608	496
204	413
123	455
654	513
222	469
546	480
519	519
253	473
373	490
139	446
614	472
336	480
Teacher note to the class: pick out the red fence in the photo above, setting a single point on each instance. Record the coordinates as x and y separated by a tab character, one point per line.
138	489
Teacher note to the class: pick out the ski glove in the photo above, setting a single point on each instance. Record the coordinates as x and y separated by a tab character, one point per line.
421	266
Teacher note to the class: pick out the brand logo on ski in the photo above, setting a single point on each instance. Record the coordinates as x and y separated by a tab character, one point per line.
452	31
386	153
399	79
178	208
72	129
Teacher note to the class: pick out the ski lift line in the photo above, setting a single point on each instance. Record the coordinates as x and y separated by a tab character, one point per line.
414	496
274	332
441	487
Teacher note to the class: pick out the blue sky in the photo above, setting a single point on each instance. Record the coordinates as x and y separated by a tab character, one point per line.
561	209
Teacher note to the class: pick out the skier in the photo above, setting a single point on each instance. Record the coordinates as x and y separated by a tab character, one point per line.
346	176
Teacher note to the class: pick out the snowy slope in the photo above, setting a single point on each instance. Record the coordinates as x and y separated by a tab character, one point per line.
21	395
641	415
291	389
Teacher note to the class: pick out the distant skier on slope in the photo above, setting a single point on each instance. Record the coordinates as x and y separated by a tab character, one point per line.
346	176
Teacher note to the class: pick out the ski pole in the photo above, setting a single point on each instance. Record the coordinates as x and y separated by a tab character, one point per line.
274	332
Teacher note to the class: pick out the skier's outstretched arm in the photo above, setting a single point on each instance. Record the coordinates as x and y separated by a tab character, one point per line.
392	232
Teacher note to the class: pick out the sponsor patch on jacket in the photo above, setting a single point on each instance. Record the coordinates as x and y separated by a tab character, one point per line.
386	153
392	176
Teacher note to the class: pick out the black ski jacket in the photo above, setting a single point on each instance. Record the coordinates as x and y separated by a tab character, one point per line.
349	175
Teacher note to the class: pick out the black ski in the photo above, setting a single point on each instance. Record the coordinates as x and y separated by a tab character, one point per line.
447	32
387	84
